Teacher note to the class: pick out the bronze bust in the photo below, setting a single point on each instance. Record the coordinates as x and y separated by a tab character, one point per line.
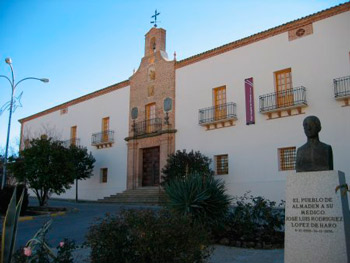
313	155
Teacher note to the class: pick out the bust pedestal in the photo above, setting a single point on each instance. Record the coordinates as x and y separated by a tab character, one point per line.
317	223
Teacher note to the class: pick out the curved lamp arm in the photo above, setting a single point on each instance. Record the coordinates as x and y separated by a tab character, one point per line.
2	76
42	80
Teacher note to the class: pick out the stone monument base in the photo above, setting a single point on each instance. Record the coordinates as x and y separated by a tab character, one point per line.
317	228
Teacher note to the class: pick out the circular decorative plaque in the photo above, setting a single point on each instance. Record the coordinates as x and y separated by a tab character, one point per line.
300	32
134	113
168	104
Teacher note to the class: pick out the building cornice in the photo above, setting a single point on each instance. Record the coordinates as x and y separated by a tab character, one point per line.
265	34
67	104
208	54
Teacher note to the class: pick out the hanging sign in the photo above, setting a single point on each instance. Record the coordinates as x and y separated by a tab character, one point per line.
249	101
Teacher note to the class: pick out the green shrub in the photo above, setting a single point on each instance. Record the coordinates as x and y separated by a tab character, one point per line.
254	219
204	199
6	194
181	164
147	236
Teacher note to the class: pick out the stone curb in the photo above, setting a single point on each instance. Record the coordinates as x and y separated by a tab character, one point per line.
62	213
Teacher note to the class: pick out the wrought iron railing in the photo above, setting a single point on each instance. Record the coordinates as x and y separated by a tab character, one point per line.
148	126
283	99
217	113
341	87
72	141
104	137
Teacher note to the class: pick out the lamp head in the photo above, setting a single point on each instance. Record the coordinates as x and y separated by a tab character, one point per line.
45	80
8	61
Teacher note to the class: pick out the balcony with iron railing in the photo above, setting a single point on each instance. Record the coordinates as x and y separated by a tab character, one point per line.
147	127
71	141
218	116
103	139
342	89
287	102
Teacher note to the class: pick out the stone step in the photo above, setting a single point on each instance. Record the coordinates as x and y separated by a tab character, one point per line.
132	201
143	195
135	198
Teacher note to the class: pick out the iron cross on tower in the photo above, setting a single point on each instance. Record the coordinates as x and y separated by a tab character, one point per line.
155	18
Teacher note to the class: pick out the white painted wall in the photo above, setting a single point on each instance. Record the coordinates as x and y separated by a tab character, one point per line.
87	116
253	157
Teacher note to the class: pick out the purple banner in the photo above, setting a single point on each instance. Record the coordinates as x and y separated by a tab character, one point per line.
249	101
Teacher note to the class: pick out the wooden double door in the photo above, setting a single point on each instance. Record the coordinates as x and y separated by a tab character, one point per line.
150	166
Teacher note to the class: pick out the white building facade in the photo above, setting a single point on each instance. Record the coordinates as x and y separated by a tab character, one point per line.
241	104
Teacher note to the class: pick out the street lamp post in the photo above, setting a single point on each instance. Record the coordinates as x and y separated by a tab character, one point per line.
13	89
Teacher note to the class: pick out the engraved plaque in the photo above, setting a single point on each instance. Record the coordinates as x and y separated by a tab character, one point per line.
134	113
168	104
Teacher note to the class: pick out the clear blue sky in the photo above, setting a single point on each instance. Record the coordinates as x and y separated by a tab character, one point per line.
86	45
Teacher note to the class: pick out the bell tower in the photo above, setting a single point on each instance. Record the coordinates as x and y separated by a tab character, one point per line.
152	130
155	41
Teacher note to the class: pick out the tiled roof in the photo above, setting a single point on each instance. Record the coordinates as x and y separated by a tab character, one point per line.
210	53
266	34
78	100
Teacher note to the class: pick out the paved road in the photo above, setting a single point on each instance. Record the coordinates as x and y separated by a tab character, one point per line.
74	225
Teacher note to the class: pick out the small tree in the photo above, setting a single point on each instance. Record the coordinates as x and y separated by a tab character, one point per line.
83	162
181	164
48	167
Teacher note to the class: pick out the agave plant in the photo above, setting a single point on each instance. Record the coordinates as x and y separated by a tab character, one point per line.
9	230
202	198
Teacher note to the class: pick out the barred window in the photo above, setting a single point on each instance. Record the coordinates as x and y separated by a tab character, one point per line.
221	162
287	158
104	174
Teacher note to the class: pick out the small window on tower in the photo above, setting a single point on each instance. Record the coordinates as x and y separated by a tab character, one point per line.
153	44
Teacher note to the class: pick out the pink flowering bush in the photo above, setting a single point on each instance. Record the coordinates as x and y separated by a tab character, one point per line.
27	251
43	254
64	251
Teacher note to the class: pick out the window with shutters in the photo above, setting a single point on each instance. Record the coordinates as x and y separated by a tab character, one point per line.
105	138
104	175
105	129
73	135
220	103
284	88
150	117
